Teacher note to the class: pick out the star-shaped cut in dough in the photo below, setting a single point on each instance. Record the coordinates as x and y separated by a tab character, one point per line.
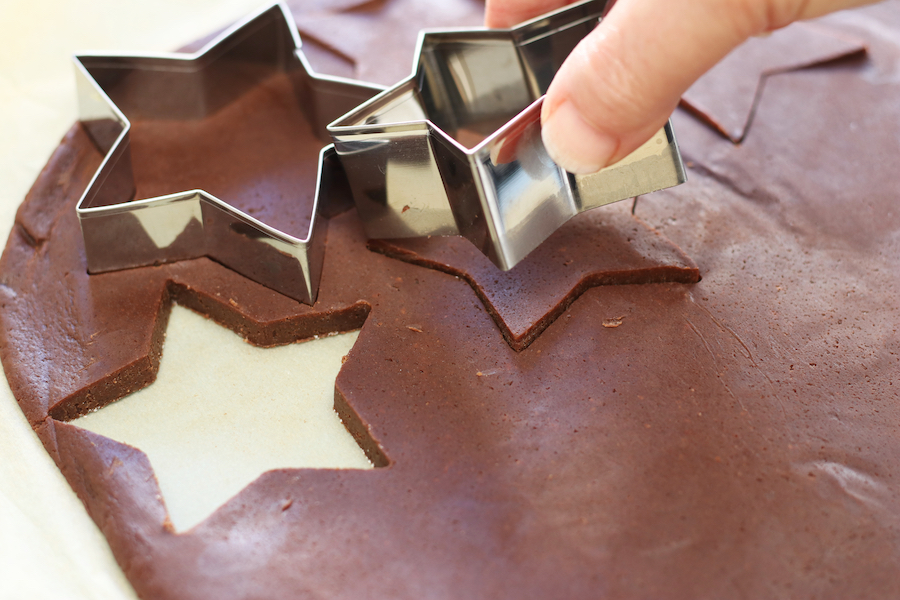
726	97
159	121
209	431
608	247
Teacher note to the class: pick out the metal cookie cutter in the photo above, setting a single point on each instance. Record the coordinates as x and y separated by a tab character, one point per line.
456	147
121	233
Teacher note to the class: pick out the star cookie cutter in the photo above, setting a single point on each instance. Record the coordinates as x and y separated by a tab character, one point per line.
456	147
121	233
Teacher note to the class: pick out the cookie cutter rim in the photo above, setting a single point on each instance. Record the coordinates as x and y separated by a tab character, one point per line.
290	265
453	188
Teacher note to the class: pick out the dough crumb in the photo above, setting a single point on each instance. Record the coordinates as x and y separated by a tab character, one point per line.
613	323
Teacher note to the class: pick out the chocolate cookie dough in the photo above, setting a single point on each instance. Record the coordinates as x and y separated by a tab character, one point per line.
733	437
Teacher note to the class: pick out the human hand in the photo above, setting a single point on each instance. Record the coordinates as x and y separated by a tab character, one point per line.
621	84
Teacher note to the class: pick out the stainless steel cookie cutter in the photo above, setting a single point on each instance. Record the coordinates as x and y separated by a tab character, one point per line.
121	233
456	147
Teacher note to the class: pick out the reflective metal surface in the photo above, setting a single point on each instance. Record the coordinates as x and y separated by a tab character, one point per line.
456	147
121	233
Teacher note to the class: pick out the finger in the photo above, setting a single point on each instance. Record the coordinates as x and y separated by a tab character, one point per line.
623	81
619	86
507	13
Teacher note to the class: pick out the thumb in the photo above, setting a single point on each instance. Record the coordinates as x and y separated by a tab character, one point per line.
622	82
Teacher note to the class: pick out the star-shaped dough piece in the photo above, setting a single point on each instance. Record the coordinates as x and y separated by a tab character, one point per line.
726	97
144	206
606	247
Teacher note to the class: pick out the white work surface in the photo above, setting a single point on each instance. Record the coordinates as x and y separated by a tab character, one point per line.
49	547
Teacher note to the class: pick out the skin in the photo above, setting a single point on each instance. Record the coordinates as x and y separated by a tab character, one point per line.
623	81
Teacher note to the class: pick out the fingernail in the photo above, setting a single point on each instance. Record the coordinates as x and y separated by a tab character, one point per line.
574	144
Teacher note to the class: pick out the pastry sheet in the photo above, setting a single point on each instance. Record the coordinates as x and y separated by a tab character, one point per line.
49	547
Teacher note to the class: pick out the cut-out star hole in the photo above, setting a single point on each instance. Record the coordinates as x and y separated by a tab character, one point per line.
209	431
726	97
